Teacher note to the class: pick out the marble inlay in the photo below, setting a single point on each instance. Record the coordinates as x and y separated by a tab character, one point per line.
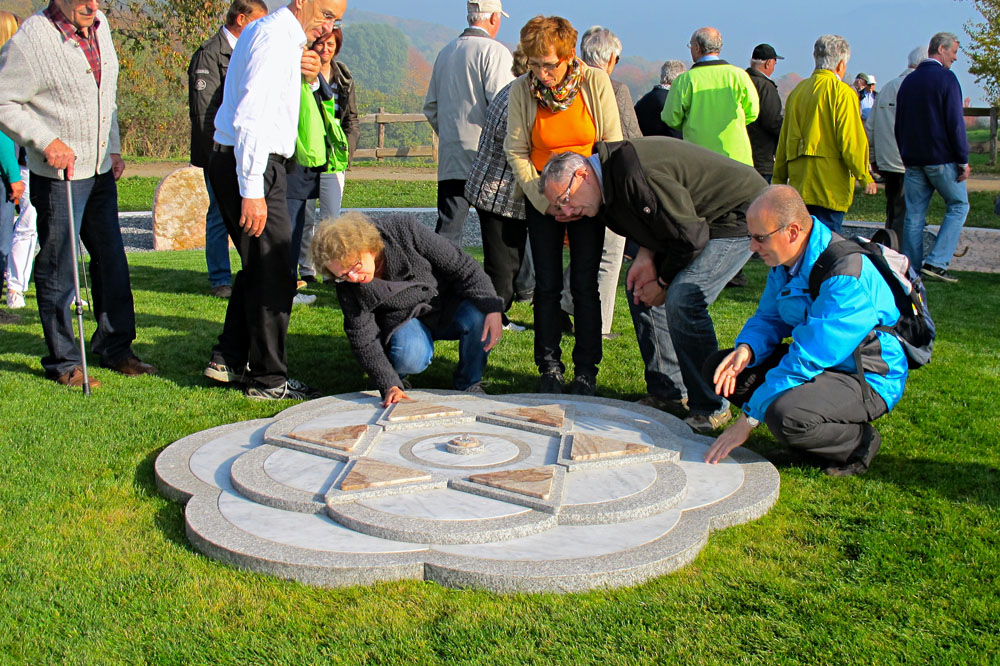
546	415
371	473
592	447
345	438
535	482
416	410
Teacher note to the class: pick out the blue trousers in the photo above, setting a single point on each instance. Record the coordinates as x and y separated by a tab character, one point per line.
834	219
676	338
919	184
411	347
95	218
216	241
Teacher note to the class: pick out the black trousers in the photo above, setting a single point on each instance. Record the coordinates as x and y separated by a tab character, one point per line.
453	209
256	324
895	202
503	251
825	416
586	241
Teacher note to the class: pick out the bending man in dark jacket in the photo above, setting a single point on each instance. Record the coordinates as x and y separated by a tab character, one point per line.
686	208
401	287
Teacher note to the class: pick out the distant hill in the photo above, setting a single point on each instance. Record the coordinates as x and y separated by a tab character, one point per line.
22	8
426	38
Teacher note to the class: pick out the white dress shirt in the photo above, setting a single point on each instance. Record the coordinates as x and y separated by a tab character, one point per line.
259	114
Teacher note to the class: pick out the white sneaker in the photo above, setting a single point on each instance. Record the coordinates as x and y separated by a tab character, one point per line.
15	299
512	327
303	299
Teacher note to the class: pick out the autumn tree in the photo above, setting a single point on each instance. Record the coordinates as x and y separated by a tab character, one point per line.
984	48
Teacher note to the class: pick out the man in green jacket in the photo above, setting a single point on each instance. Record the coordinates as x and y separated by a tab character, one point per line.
713	102
822	148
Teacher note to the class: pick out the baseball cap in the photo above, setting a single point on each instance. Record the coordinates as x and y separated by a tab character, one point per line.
487	7
765	52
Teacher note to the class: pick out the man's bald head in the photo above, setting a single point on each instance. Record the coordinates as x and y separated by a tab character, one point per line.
779	225
780	204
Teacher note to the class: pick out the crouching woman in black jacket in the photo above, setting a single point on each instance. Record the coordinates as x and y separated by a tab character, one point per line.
401	287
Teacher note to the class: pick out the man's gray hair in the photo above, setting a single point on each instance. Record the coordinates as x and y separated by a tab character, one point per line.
478	17
917	56
598	46
945	39
830	50
560	168
708	40
670	70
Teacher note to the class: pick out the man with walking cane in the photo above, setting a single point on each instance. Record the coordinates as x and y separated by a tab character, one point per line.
58	86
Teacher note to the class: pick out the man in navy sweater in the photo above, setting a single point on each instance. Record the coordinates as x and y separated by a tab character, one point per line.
930	132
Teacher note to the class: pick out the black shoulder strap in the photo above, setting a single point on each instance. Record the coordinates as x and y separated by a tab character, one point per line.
836	250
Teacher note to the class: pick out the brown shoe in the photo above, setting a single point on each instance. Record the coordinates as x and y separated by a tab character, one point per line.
131	366
75	378
222	291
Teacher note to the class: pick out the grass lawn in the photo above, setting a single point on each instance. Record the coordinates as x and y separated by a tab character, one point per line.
898	567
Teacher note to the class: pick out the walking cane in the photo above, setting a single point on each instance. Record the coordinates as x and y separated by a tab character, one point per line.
76	285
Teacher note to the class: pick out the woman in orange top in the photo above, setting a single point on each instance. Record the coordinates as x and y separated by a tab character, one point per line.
560	105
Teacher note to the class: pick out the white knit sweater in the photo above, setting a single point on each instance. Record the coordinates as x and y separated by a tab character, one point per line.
47	92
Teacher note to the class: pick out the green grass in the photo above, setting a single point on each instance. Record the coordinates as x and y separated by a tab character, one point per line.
872	209
898	567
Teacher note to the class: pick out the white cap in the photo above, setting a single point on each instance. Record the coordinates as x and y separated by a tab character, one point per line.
486	7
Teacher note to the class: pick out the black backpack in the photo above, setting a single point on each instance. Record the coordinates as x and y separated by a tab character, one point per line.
915	329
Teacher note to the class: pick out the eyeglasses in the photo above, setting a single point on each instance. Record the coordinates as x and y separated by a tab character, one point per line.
761	238
545	66
353	272
563	199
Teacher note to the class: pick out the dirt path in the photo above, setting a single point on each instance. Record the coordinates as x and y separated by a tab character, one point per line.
161	169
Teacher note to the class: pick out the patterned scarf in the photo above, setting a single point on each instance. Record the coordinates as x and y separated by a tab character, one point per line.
562	96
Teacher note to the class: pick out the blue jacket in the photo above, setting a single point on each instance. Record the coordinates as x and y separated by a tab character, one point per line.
930	128
825	332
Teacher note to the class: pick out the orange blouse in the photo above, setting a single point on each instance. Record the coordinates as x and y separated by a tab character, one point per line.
563	131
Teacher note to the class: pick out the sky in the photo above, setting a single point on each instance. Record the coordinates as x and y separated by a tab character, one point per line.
881	34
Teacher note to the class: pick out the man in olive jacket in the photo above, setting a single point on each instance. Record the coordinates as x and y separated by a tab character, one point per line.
686	207
206	79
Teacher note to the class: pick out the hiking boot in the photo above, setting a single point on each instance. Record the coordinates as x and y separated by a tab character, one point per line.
74	378
551	382
583	385
938	273
225	374
861	459
131	366
675	407
705	423
292	389
222	291
476	388
739	280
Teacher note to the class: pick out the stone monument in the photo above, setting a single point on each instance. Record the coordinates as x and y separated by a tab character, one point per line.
507	493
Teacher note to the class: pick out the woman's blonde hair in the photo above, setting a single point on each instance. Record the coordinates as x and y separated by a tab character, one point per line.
343	240
8	26
546	32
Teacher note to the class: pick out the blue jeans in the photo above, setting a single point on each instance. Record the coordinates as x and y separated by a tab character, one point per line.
95	208
411	347
676	338
216	242
834	219
919	184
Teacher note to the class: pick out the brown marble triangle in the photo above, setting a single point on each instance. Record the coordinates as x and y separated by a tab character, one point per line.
534	482
371	473
592	447
416	410
546	415
345	438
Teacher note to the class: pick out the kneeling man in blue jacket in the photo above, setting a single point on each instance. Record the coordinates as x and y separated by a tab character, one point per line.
809	391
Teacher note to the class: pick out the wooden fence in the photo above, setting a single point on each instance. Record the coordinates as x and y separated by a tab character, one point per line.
381	119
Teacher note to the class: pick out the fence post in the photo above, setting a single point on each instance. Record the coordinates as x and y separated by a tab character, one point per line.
381	136
993	136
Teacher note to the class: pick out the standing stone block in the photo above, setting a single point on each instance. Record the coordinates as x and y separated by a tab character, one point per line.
179	207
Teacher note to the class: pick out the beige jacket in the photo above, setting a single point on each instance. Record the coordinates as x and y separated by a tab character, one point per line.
47	92
600	100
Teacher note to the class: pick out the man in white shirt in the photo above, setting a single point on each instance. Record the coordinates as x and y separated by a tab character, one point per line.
468	73
255	130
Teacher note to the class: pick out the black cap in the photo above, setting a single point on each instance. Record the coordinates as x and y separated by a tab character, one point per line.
765	52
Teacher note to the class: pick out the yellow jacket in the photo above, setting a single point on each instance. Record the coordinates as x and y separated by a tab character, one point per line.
522	109
822	148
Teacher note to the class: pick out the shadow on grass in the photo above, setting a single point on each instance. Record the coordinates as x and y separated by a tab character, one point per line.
958	481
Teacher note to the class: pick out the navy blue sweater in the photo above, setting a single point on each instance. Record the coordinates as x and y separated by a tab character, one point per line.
930	128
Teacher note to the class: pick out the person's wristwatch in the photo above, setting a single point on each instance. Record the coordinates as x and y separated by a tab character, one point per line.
751	421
